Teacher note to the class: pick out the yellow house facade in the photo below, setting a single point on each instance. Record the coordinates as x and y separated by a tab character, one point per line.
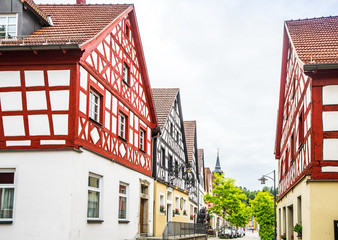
170	204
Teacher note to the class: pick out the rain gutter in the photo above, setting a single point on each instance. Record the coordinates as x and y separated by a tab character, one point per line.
40	47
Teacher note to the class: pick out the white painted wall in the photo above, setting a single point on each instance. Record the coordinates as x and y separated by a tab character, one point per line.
51	196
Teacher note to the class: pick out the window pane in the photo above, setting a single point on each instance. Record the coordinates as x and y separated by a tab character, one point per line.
93	204
2	20
7	178
2	28
12	20
123	189
11	28
2	34
6	202
122	208
12	34
93	182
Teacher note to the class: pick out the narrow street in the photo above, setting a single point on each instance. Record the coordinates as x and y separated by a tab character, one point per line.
248	236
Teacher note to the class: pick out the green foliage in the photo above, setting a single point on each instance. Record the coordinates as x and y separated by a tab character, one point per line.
298	228
263	209
249	194
227	201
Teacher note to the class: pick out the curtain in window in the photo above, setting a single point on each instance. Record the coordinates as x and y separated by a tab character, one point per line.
93	204
6	202
122	208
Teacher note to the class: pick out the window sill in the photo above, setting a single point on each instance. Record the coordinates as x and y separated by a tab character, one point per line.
125	140
6	222
126	83
95	221
95	121
124	221
143	151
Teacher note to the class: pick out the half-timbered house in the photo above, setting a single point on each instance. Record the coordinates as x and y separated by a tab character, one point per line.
201	177
191	139
76	121
307	139
170	161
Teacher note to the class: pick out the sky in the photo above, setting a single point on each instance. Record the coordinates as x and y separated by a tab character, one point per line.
225	56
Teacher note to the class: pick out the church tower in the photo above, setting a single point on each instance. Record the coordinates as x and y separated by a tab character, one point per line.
218	165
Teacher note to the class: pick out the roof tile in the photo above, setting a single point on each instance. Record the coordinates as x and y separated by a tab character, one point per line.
72	23
163	99
315	39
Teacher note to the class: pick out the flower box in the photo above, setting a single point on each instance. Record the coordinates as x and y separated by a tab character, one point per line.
185	212
162	208
177	211
191	217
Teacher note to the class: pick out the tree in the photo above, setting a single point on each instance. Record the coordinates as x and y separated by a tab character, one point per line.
262	209
227	201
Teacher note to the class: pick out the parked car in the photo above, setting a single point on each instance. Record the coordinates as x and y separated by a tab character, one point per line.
228	233
234	233
240	232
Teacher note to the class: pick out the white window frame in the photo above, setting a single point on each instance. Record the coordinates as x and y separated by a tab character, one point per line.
142	139
95	115
94	189
7	16
9	185
126	73
177	204
126	195
123	125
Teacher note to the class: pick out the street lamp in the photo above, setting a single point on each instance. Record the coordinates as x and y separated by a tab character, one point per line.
263	179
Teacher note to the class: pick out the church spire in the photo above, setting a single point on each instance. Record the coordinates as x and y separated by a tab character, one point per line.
218	165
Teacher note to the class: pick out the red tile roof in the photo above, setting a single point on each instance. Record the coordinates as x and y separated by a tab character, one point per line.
72	23
189	130
35	9
163	99
315	40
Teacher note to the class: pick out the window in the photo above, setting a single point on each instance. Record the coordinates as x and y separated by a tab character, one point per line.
6	194
94	198
122	125
170	163
123	201
142	139
176	169
163	157
301	128
94	106
126	74
8	26
171	129
292	148
127	31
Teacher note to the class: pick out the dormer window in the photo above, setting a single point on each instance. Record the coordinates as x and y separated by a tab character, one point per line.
8	25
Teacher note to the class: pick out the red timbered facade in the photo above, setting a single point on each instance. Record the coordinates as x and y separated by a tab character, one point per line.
306	139
76	102
52	101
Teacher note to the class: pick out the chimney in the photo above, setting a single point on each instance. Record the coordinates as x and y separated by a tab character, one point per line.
81	2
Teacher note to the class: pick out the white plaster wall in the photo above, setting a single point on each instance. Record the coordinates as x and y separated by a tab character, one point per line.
330	149
330	95
51	196
42	195
330	121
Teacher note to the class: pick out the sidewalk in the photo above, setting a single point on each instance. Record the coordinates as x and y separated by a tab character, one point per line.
248	236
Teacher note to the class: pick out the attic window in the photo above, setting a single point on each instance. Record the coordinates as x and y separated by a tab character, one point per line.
127	30
8	25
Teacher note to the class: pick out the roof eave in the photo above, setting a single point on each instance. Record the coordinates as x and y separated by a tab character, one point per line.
40	47
313	67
